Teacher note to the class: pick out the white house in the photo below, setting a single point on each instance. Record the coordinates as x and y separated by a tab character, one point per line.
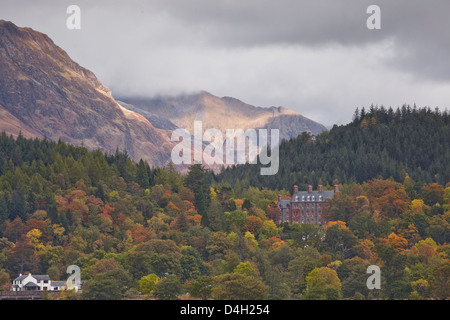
39	283
30	282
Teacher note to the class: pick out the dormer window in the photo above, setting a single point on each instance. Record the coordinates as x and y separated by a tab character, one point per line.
296	198
303	198
308	199
313	198
320	198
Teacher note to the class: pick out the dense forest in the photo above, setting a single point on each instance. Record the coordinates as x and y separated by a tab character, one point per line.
139	232
379	143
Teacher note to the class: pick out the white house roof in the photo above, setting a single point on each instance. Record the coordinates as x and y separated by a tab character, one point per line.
41	277
38	277
31	284
20	278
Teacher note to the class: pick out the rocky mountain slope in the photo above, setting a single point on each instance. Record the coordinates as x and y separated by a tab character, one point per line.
45	94
223	113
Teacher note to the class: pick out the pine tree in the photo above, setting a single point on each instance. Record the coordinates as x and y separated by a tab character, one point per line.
216	218
142	174
18	205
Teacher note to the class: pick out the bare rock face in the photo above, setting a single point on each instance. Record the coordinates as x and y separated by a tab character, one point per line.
223	113
45	94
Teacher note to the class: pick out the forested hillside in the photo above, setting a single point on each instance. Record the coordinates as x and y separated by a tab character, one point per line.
380	143
141	232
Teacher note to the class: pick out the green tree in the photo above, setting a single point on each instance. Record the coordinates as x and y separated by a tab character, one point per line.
3	207
142	177
340	240
323	284
216	217
440	284
18	205
201	287
305	235
238	286
268	230
110	285
168	288
245	268
218	244
235	219
196	181
191	263
439	228
148	283
169	176
352	273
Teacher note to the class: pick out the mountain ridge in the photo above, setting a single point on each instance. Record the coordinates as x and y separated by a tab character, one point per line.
45	94
223	113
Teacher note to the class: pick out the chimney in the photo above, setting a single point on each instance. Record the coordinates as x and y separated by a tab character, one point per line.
279	198
295	189
320	188
309	188
336	188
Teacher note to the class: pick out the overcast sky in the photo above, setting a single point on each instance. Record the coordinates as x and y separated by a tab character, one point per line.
316	57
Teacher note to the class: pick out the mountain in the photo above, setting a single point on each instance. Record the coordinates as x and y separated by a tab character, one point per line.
222	113
45	94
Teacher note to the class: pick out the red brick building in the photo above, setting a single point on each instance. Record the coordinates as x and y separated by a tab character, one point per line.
305	207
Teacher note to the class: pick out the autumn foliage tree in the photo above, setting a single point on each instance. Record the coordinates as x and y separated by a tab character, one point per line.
136	230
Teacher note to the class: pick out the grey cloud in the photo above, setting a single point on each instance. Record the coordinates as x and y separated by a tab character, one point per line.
420	28
314	56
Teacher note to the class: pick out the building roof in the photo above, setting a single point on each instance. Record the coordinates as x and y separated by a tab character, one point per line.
21	277
41	277
302	196
38	277
58	283
31	284
326	194
284	203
